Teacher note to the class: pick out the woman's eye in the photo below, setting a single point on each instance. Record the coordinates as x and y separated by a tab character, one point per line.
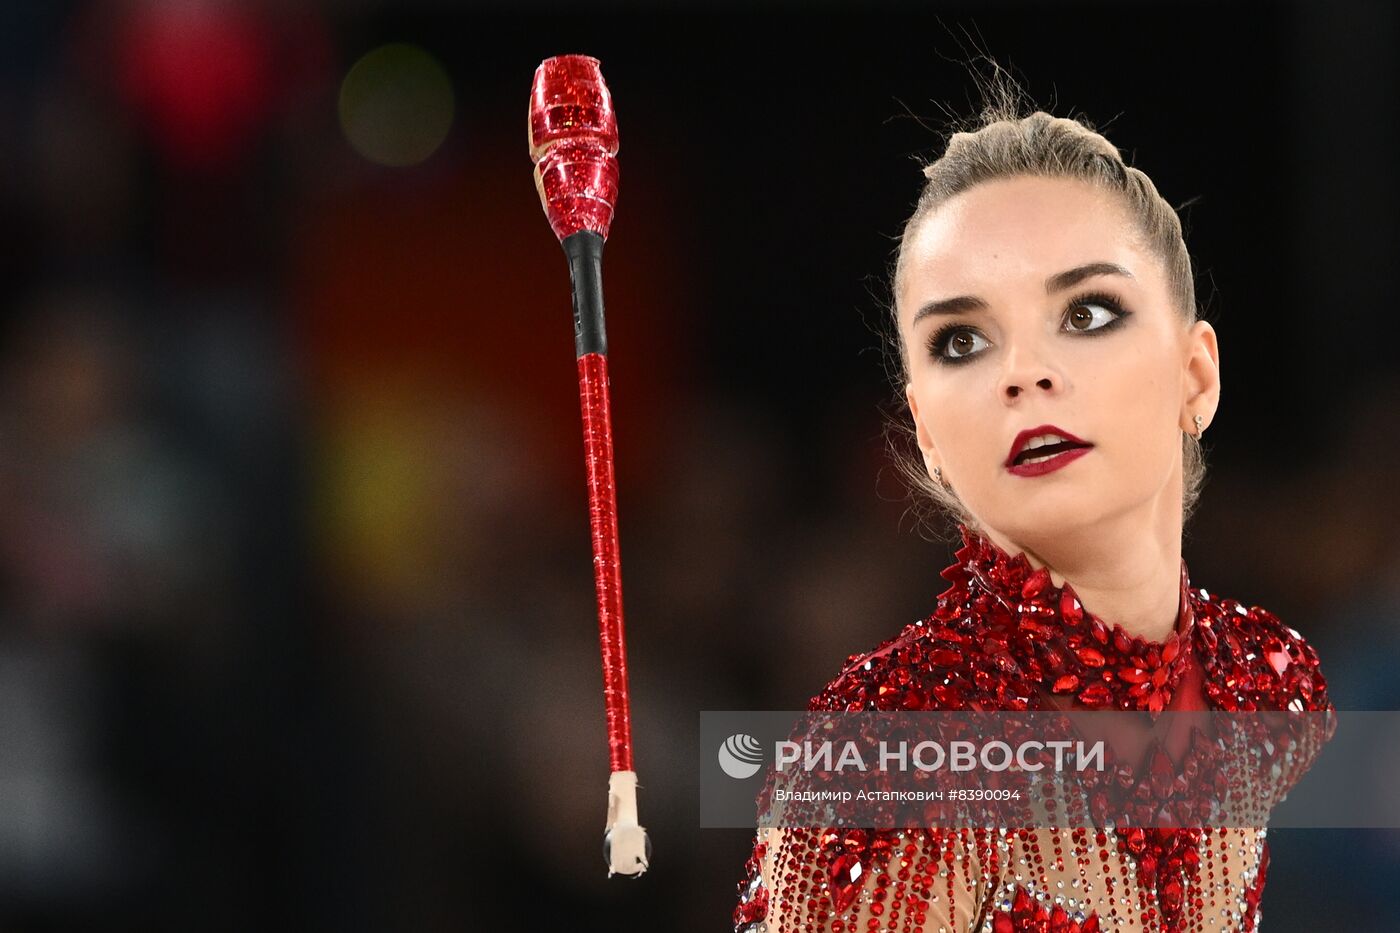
1090	315
963	343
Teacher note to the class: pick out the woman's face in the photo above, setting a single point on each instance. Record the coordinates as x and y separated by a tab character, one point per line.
1028	302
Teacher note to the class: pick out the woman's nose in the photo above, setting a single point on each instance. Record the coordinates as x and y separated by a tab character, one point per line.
1025	370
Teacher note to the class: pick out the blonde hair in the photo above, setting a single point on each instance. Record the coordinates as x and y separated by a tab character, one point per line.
1003	143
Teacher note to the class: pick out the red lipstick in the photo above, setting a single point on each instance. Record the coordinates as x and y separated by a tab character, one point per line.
1068	449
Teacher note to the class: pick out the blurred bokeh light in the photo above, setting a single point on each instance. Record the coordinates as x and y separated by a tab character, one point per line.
396	105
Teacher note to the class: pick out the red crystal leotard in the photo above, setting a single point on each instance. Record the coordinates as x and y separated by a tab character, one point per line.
1003	637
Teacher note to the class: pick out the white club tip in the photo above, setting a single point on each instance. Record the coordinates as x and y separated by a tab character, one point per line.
626	845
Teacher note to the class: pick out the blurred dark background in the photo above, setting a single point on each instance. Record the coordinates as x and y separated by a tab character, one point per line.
296	616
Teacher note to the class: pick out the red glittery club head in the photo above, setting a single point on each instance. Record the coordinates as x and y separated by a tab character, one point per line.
573	142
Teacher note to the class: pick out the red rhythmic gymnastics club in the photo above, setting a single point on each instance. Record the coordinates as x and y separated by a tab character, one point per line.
573	143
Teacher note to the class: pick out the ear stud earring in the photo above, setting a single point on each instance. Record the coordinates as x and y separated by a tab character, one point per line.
1198	419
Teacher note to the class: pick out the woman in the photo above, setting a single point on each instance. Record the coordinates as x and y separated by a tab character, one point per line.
1058	383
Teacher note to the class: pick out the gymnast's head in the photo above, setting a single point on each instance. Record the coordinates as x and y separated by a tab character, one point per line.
1041	281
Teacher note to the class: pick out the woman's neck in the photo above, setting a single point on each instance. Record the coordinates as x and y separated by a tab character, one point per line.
1124	570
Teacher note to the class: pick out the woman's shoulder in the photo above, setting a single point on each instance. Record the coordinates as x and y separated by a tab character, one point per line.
1253	660
932	664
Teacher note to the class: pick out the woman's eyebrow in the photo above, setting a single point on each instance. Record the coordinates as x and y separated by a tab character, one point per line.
1056	283
1072	277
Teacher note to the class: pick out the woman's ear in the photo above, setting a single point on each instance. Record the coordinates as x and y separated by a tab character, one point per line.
930	453
1202	371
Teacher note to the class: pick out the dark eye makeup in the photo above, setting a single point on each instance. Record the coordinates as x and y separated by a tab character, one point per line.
941	342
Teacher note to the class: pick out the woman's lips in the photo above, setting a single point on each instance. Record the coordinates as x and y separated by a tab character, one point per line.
1054	461
1041	467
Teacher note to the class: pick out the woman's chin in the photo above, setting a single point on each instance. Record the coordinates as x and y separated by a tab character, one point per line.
1049	511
